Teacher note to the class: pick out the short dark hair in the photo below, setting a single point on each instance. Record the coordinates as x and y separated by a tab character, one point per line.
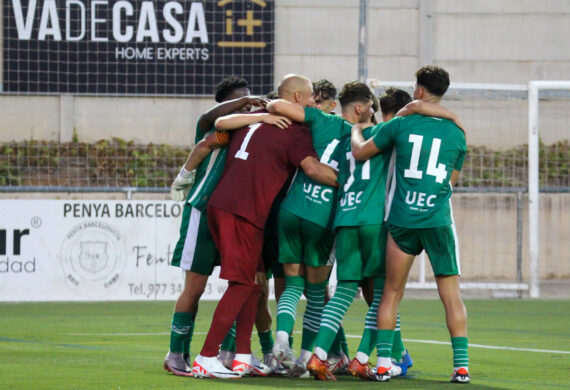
227	86
354	91
433	78
393	100
325	89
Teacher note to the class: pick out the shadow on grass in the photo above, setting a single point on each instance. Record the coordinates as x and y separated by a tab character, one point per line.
344	382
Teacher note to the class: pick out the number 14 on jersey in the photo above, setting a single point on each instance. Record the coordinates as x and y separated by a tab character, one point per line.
433	168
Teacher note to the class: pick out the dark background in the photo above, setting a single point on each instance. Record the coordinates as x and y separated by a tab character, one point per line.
86	67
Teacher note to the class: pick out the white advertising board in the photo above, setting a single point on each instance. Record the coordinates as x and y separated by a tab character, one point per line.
59	250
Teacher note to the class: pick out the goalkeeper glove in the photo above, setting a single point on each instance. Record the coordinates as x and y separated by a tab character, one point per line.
182	185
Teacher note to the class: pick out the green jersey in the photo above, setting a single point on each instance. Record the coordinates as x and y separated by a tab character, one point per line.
427	151
362	185
208	175
306	198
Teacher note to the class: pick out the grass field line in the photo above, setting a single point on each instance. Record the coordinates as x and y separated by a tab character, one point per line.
352	336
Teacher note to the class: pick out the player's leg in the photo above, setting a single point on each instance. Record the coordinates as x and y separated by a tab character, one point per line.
228	348
263	325
441	246
359	365
196	253
240	246
349	273
263	319
338	354
372	245
317	248
399	259
270	256
290	255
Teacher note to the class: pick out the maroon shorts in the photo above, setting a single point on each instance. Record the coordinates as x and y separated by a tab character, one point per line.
239	242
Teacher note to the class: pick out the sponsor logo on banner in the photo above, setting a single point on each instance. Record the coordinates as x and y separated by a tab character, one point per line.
93	257
14	261
159	47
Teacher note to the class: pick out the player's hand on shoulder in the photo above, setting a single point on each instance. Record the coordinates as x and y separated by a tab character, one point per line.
276	120
181	186
257	101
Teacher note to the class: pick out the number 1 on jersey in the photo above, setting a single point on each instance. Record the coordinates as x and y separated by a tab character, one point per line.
352	167
241	153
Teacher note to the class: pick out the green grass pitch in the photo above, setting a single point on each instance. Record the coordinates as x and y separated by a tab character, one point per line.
120	345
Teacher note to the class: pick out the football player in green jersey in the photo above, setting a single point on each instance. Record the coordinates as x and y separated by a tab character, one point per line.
195	251
361	239
429	155
324	95
305	221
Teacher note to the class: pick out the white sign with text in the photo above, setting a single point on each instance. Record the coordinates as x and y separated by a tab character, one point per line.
56	250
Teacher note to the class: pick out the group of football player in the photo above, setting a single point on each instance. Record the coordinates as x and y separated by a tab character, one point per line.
287	189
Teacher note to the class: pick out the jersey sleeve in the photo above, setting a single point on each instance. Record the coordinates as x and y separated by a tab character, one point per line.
385	134
312	115
301	146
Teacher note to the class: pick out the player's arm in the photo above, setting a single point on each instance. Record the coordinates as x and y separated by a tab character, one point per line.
207	119
362	149
430	109
237	121
291	110
319	172
182	184
454	177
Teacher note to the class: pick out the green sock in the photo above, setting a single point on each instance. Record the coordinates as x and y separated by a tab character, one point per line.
343	342
460	353
287	306
368	341
398	345
384	339
290	341
229	343
312	317
336	347
334	313
266	341
188	339
179	330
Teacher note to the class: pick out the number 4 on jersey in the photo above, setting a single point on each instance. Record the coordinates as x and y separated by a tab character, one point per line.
433	168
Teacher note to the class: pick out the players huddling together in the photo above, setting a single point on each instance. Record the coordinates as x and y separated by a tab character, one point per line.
290	188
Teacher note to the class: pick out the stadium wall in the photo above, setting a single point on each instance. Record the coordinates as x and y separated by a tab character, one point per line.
487	41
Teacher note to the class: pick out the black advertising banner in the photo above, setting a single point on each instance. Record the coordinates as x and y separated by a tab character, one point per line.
130	47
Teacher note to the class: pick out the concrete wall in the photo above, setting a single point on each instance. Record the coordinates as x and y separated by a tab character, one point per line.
486	41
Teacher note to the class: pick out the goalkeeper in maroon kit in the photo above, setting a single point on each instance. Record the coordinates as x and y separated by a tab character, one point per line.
260	159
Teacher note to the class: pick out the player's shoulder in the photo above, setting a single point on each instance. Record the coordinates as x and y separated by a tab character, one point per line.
298	127
453	129
313	114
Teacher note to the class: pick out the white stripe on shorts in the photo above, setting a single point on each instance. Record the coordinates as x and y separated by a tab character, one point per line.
454	235
191	238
